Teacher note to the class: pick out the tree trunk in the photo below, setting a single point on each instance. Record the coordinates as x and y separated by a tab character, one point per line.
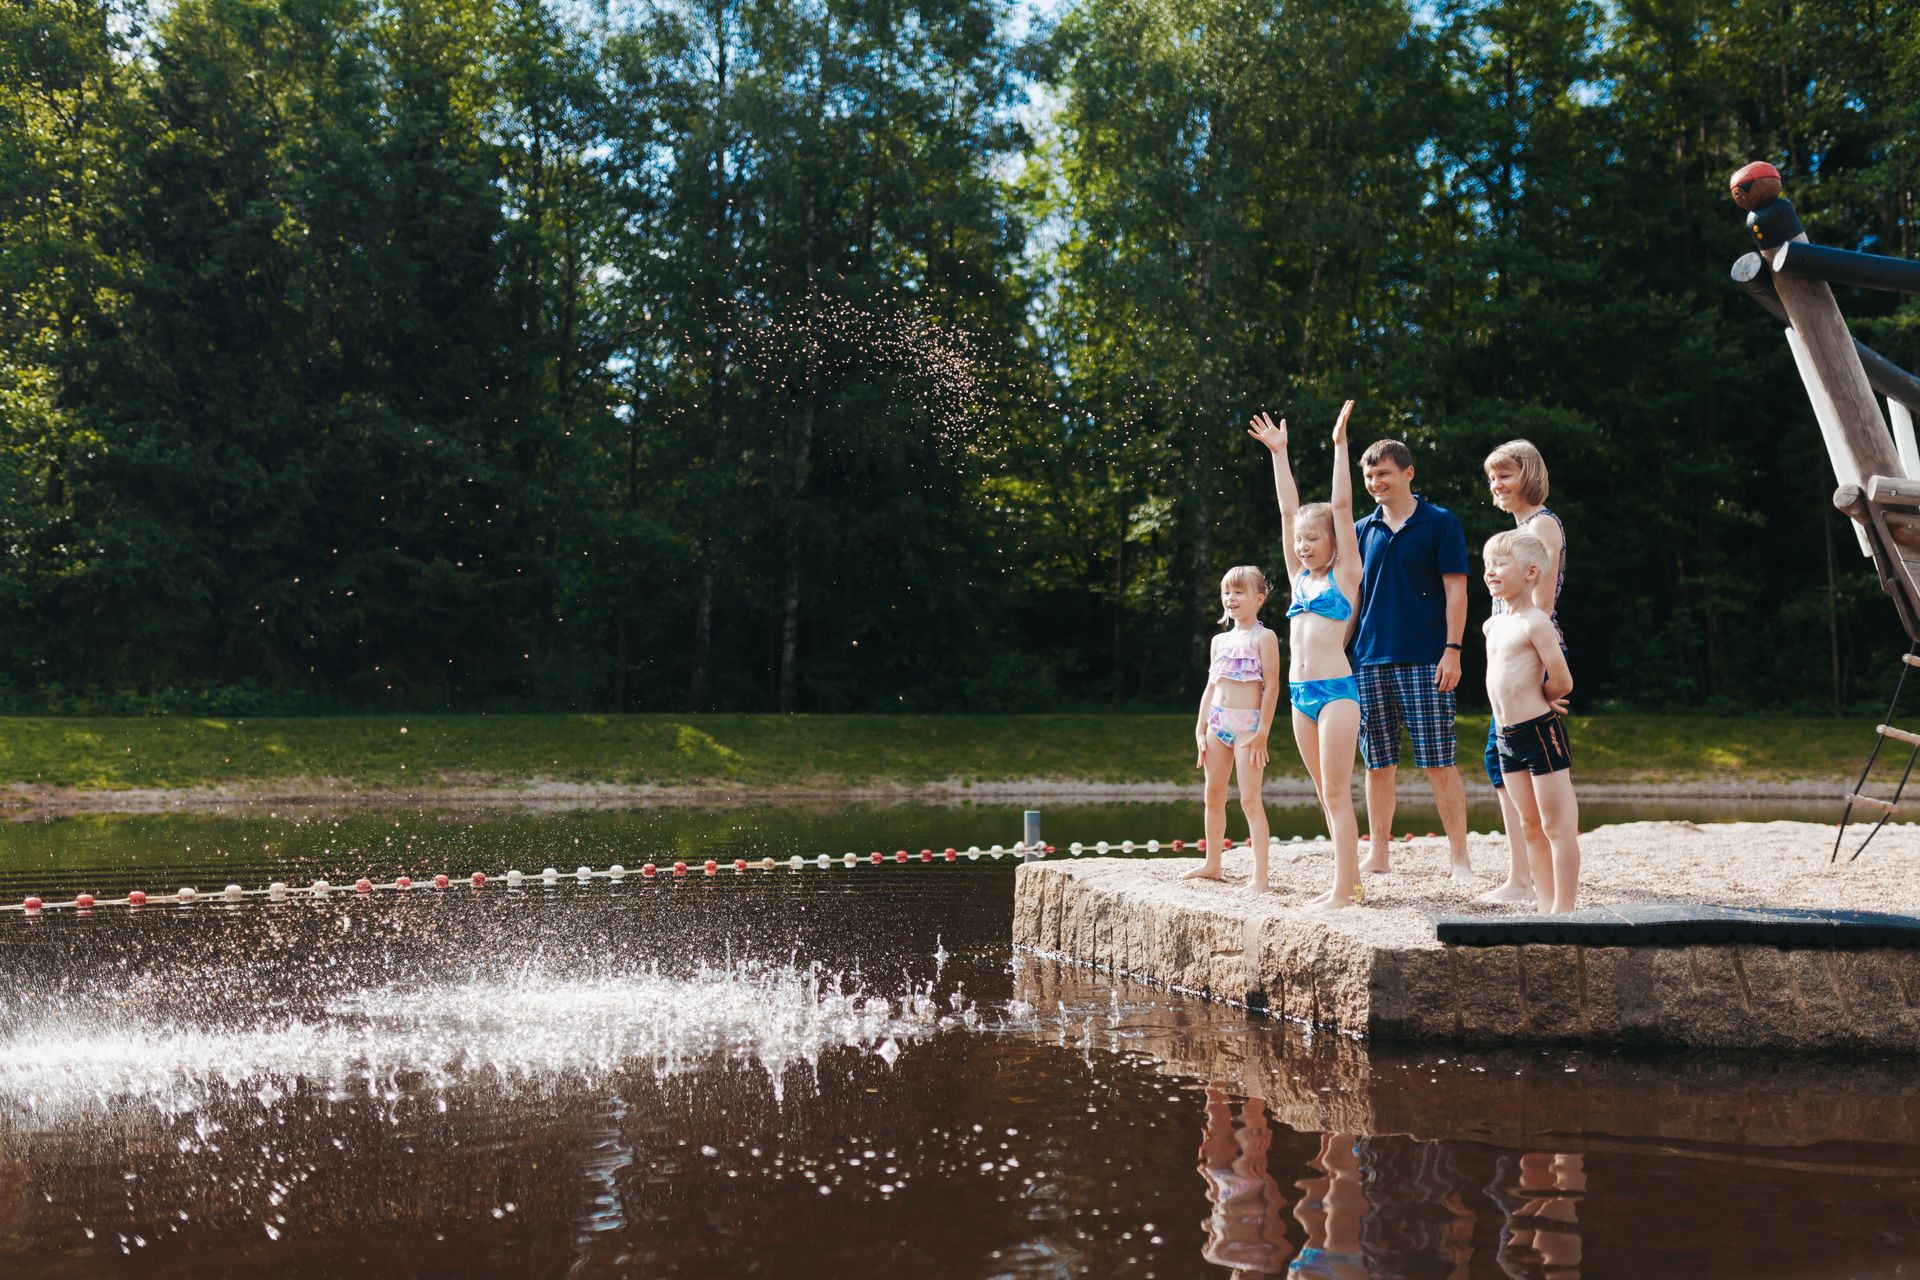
790	582
1119	597
702	646
1833	608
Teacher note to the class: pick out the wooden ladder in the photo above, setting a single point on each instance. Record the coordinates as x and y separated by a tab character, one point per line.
1884	733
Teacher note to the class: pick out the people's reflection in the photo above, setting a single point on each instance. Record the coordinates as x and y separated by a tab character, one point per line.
1417	1224
1331	1211
1247	1229
1541	1237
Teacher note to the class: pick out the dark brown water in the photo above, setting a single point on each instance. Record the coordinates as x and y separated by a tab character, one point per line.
818	1073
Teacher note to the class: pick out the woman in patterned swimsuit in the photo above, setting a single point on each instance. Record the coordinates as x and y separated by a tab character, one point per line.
1517	479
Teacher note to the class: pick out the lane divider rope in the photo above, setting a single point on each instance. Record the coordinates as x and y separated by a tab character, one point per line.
280	891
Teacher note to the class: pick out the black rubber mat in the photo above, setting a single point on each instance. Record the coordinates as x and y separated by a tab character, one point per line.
1642	924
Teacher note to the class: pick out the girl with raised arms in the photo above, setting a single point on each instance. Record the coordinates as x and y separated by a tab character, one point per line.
1323	565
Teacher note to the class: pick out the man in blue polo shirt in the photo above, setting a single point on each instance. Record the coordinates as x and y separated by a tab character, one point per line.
1406	646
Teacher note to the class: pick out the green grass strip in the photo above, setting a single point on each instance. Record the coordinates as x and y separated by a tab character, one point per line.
422	753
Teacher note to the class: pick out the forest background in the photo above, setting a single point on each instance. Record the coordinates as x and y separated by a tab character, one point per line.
869	355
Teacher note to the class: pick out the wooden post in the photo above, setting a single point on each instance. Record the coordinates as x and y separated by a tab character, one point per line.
1845	470
1903	440
1832	372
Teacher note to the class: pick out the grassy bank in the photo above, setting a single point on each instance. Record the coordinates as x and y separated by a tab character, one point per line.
421	753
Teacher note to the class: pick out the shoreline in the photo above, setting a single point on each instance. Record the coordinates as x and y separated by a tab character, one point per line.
28	801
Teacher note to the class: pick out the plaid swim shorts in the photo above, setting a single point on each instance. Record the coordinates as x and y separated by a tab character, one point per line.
1396	694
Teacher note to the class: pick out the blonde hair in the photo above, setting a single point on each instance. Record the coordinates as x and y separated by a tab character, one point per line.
1247	577
1315	513
1521	456
1519	546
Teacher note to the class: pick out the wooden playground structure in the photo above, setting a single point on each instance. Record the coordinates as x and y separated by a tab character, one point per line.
1876	461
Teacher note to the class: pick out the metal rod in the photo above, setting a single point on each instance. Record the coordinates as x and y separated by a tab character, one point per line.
1886	377
1030	834
1847	266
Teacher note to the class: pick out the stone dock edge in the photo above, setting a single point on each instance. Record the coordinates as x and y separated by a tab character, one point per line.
1293	965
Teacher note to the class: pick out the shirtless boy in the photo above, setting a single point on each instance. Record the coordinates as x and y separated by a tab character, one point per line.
1527	672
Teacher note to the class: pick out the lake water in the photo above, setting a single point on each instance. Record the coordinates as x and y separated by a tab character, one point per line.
831	1073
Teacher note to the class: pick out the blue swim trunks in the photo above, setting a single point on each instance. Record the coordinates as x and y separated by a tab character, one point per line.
1309	697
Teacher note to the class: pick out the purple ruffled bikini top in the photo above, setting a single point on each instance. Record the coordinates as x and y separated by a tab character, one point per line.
1237	656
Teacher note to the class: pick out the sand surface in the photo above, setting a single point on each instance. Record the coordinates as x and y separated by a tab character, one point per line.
1777	864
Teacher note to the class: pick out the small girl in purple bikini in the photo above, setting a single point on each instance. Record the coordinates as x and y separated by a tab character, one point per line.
1236	713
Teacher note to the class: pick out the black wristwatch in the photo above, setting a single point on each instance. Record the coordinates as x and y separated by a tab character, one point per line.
1452	645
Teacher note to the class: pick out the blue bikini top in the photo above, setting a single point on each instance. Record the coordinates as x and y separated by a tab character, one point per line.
1330	603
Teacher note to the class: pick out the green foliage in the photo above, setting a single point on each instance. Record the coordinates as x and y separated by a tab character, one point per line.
852	355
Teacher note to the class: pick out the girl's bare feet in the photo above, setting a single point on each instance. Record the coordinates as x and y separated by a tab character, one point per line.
1327	903
1257	887
1511	891
1202	872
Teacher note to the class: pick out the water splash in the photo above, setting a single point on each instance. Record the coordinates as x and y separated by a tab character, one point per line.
531	1033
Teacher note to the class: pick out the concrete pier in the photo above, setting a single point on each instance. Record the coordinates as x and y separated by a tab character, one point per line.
1378	971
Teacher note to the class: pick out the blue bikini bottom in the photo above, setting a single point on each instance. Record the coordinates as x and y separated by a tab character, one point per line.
1310	696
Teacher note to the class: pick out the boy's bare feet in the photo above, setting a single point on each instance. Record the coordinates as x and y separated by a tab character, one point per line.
1257	887
1202	872
1328	903
1464	871
1376	863
1511	891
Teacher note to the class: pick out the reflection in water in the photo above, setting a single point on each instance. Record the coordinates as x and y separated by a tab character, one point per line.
1417	1222
1246	1230
1540	1195
1377	1207
1331	1210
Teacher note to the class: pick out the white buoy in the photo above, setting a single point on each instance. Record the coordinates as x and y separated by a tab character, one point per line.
514	878
1075	848
277	890
1101	847
824	860
973	854
1153	846
1319	839
234	893
996	851
796	862
584	873
616	872
320	888
550	875
188	893
1126	846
